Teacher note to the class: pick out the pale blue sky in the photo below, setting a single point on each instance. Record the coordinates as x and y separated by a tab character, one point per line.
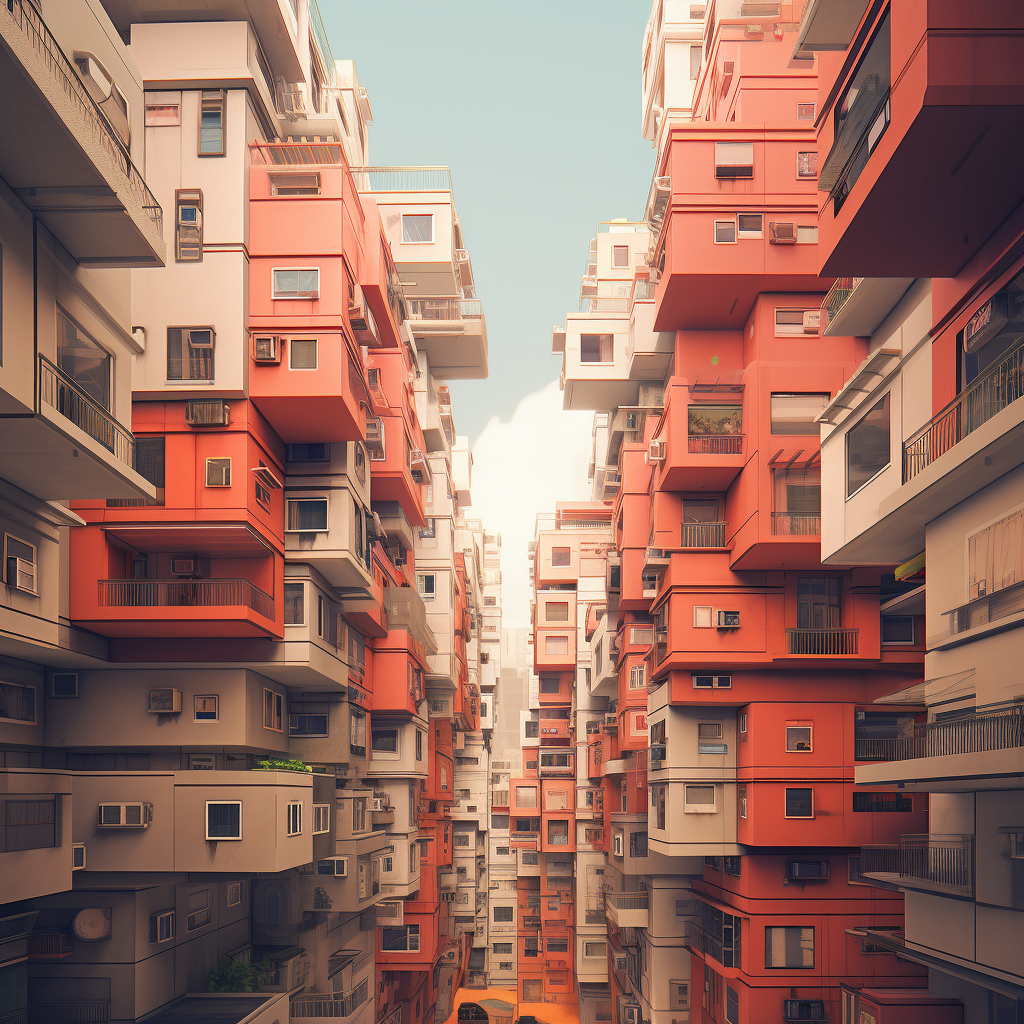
535	106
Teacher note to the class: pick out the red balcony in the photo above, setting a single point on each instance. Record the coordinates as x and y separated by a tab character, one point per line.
915	177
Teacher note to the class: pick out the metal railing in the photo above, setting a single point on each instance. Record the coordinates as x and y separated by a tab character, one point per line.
472	309
603	304
14	1017
795	1010
435	309
66	395
941	862
627	900
1001	385
703	535
38	35
703	942
715	444
50	945
822	641
839	294
68	1011
403	179
223	593
996	605
313	1004
1000	729
796	524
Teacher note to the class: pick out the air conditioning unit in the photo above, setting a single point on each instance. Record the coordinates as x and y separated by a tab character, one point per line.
166	701
266	348
629	1015
77	856
364	327
129	815
291	99
728	620
204	413
808	870
617	844
202	762
375	436
620	962
656	451
373	378
782	232
812	321
21	574
193	567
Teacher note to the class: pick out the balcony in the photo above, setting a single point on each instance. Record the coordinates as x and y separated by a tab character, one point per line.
934	863
627	909
856	306
822	642
73	169
796	1010
702	442
997	388
313	1004
210	607
715	444
703	535
796	524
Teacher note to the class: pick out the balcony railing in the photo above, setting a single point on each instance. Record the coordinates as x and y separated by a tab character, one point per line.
627	900
795	1010
839	295
796	524
313	1004
822	641
403	179
435	309
704	535
38	35
982	610
1001	729
71	1011
701	941
604	304
223	593
1000	385
50	945
941	862
66	395
14	1017
715	444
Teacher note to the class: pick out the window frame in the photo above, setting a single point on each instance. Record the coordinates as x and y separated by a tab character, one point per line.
187	357
725	222
616	249
861	421
299	296
323	500
788	967
223	463
30	688
293	818
217	100
207	716
800	727
722	166
421	241
224	803
8	557
315	342
186	198
276	710
785	797
700	808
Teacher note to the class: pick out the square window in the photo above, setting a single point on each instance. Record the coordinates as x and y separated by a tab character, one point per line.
17	702
750	225
293	818
790	948
190	353
296	283
798	738
206	709
64	685
556	645
223	819
807	164
805	111
426	584
561	556
597	348
734	159
302	354
800	803
417	228
898	629
702	616
218	472
306	515
620	256
556	611
725	231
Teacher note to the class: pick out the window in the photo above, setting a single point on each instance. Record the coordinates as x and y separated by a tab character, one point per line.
620	255
678	995
807	234
306	515
725	231
429	530
795	413
637	677
556	645
897	629
295	184
88	364
426	584
384	743
31	824
638	844
807	164
732	1005
596	348
190	353
798	738
695	54
293	818
318	452
558	945
206	709
558	833
64	685
419	744
17	702
698	798
297	283
710	682
550	684
321	819
734	159
789	948
561	556
743	723
819	602
742	792
797	500
19	564
805	111
502	948
417	228
400	940
715	421
556	611
359	814
357	733
799	803
503	914
750	225
218	472
868	447
211	124
790	322
188	225
160	115
273	710
302	354
223	819
161	926
294	610
883	802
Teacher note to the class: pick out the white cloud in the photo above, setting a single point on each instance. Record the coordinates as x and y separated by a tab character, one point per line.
523	467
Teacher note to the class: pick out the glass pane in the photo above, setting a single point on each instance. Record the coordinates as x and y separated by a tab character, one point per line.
418	227
81	359
867	447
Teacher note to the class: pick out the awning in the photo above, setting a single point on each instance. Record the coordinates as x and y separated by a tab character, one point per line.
794	458
911	567
939	690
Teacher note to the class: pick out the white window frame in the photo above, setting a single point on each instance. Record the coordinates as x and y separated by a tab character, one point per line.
809	726
421	583
13	582
748	232
167	917
730	222
225	471
316	351
35	704
433	233
235	893
274	271
288	502
278	703
293	818
216	707
695	808
321	819
386	755
223	839
798	817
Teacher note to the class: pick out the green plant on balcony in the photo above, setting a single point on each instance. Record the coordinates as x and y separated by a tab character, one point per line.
277	764
232	975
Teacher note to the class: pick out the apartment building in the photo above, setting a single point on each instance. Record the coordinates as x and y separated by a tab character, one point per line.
921	461
231	708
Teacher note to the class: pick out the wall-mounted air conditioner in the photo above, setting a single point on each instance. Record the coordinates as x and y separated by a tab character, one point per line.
266	348
782	232
728	620
656	451
164	701
812	321
77	856
127	815
207	413
192	566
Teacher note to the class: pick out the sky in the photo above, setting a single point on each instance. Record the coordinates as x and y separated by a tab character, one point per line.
535	107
